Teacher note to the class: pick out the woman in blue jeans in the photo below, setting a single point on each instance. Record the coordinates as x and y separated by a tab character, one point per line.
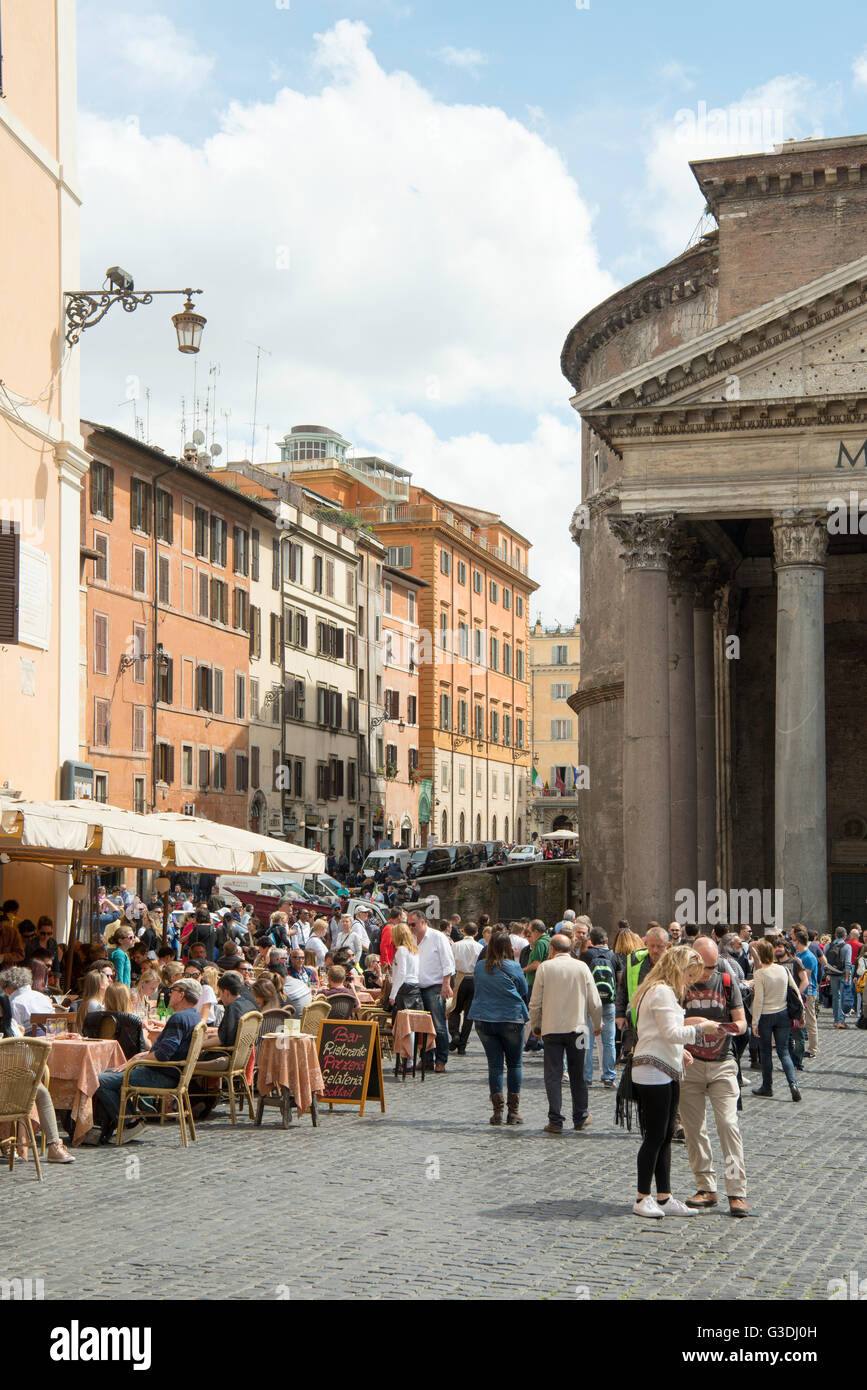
771	1018
499	1011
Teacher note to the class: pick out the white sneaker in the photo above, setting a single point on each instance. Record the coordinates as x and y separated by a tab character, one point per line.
675	1208
648	1206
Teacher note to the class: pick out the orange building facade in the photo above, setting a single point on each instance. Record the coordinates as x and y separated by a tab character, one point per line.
168	623
473	616
401	643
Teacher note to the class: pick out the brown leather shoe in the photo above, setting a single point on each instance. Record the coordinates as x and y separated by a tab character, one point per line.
702	1199
738	1206
440	1066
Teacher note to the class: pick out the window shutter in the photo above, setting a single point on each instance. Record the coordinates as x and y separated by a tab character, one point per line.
9	541
338	632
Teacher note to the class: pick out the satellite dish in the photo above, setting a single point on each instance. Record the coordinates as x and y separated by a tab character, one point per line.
189	446
216	449
198	437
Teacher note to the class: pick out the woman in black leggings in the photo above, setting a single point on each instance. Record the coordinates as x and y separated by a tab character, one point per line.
657	1065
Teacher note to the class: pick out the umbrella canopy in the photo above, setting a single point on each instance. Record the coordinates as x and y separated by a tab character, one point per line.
93	834
561	835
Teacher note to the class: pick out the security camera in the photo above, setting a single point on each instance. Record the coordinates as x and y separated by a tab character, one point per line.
119	279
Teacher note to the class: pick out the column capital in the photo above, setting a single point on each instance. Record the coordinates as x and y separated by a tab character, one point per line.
682	566
646	537
707	581
800	538
726	607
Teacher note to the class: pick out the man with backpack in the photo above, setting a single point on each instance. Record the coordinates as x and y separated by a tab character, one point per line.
602	964
536	952
638	964
838	965
713	1076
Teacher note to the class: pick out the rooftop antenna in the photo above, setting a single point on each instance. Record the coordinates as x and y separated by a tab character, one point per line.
147	414
214	371
225	414
259	351
183	424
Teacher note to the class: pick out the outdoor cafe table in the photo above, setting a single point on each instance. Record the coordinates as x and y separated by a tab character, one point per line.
290	1064
74	1066
414	1029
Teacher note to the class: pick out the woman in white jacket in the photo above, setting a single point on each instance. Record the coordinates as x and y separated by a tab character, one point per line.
657	1066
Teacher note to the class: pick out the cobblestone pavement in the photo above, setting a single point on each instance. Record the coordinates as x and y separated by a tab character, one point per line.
429	1200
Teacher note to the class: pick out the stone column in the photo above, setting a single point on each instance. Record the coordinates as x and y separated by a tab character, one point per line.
682	740
705	743
725	613
646	757
800	813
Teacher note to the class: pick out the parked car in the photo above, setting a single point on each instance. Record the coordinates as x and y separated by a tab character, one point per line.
378	858
435	860
496	852
323	887
461	857
525	854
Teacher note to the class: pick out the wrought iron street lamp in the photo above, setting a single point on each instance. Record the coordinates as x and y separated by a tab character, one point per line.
84	308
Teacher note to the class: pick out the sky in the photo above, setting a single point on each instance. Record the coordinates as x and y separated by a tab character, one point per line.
399	208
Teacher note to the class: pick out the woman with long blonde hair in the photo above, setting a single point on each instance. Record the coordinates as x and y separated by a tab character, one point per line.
656	1068
404	992
93	991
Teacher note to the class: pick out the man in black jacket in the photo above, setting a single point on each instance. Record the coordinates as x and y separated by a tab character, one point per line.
602	964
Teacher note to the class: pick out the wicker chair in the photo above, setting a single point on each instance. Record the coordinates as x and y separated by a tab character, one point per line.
343	1006
231	1064
313	1016
180	1091
22	1065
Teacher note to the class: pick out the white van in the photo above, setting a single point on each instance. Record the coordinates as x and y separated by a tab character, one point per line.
379	858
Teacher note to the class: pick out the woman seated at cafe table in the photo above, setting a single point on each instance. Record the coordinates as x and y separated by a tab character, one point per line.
130	1034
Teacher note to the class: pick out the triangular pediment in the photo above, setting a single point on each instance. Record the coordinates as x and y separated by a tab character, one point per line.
808	343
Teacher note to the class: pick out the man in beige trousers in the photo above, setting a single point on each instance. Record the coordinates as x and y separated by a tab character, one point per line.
564	995
710	1073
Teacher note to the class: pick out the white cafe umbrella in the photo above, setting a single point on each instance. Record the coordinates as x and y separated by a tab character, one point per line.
561	835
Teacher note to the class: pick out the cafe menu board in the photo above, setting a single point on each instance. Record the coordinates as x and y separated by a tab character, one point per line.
351	1062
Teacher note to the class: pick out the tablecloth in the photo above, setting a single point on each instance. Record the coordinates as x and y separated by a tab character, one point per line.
75	1065
291	1061
411	1021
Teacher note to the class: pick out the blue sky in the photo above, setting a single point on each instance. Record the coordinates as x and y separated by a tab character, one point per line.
409	204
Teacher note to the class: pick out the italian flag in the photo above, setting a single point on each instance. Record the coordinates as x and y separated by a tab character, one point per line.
536	777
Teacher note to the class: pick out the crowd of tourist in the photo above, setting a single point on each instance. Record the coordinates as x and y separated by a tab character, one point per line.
674	1011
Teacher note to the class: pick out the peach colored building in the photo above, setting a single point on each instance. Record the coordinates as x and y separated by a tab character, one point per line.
169	621
473	611
401	642
42	462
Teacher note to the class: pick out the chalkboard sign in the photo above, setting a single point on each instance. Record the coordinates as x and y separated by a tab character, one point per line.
350	1061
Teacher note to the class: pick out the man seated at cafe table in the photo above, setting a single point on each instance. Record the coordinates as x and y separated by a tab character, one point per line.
173	1044
234	1007
18	983
337	985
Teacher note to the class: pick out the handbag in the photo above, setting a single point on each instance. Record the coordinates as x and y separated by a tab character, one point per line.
795	1005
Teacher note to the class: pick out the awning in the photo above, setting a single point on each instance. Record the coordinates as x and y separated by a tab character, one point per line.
95	834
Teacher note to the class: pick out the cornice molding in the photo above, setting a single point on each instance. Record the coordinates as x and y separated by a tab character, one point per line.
726	417
595	695
740	339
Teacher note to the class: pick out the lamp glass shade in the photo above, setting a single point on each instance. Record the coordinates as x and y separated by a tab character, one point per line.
78	892
162	884
188	326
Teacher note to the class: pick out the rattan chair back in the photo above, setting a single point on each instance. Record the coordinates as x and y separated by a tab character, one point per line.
313	1016
22	1063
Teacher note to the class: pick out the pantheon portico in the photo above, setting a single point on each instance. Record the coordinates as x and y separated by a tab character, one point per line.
724	606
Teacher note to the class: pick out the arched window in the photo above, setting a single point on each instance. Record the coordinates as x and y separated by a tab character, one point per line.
478	827
463	827
506	831
494	828
445	828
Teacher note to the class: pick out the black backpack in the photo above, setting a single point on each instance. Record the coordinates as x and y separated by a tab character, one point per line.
834	958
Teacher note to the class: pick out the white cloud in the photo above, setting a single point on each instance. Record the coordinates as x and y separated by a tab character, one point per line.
670	204
859	69
678	74
471	59
399	256
157	54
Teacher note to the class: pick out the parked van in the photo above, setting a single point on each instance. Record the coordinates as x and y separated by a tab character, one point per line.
263	893
435	860
378	859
